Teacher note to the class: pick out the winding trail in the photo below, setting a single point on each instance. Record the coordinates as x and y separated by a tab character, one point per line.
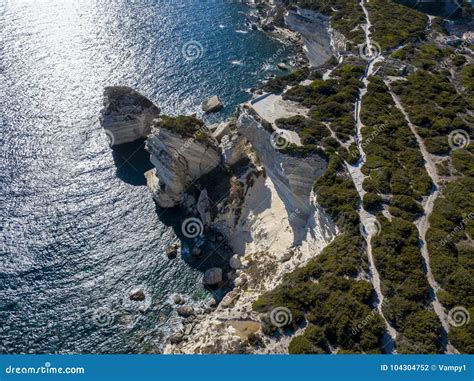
368	221
422	224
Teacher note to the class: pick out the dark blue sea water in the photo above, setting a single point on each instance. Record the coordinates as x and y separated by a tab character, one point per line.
78	228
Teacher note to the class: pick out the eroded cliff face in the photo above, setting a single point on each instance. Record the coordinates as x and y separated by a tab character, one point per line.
264	205
178	162
127	115
238	183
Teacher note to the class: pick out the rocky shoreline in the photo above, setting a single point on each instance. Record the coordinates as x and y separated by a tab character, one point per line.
237	190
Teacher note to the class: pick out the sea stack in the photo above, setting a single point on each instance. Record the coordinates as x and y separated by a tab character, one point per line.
127	115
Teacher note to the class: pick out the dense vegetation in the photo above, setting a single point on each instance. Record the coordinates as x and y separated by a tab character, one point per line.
394	24
332	101
328	293
450	245
394	163
439	112
187	126
325	292
346	16
278	84
444	109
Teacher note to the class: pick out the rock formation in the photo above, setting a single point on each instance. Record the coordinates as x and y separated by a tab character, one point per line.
127	115
213	104
178	161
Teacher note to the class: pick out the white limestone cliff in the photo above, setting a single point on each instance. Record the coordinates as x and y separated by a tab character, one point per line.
178	161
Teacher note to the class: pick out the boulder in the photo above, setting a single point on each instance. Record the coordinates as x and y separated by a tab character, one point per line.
282	66
233	149
268	27
137	295
240	281
176	338
185	311
127	115
221	130
213	104
196	251
212	276
235	262
172	251
178	299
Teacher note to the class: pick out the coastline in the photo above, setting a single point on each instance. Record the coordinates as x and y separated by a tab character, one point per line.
270	250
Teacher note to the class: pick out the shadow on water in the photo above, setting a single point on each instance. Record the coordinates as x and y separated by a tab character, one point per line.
202	253
131	162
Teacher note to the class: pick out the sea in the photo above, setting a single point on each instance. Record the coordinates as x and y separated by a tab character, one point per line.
78	228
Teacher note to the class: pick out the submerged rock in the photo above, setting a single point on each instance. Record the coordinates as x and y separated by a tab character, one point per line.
235	262
185	311
212	276
178	299
137	295
172	251
127	115
213	104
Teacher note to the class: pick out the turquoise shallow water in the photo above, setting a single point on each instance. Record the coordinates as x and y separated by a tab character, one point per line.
78	228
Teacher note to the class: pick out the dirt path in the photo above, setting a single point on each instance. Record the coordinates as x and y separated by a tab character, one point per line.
368	221
423	224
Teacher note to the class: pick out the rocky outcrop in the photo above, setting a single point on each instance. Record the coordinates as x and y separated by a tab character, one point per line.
314	28
212	277
178	161
293	177
127	115
213	104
